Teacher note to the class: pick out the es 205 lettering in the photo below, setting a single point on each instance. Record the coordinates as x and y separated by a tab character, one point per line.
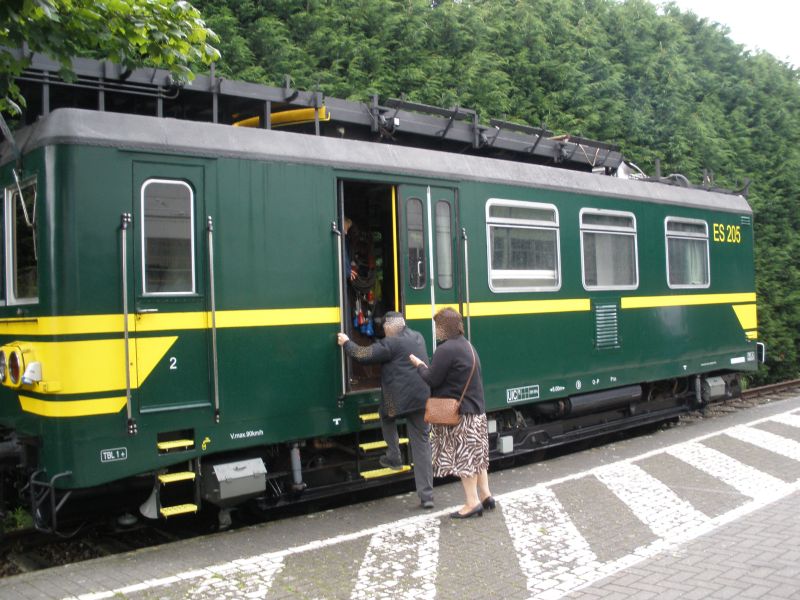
729	234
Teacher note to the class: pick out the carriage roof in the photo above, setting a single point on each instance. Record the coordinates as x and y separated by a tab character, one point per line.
179	137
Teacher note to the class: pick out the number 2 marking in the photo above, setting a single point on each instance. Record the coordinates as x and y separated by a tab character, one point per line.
173	363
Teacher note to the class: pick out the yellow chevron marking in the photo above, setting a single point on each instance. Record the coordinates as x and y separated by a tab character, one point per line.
94	366
71	408
685	300
747	315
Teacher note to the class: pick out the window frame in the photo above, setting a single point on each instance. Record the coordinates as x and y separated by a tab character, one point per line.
515	223
686	236
426	277
609	230
449	244
192	225
9	220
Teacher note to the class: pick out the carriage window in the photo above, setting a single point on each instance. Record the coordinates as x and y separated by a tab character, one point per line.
523	246
608	241
687	253
416	244
168	237
444	246
21	253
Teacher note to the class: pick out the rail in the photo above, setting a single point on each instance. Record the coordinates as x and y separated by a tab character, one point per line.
767	389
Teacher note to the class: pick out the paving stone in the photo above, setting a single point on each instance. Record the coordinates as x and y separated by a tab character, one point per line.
580	499
781	429
706	493
768	462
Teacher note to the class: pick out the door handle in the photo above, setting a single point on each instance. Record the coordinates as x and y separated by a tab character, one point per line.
144	311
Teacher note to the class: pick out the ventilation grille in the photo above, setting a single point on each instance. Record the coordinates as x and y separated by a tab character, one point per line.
606	326
746	221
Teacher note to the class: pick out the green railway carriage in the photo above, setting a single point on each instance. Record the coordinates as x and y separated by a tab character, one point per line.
172	290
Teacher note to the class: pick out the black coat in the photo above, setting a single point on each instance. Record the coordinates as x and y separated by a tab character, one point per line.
403	390
449	372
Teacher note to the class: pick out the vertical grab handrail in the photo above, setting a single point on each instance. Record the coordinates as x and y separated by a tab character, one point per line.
212	294
126	220
466	282
339	275
432	278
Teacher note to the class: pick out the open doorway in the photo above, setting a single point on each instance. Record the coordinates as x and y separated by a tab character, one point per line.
370	247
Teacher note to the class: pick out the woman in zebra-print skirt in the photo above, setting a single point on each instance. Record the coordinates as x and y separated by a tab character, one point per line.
461	450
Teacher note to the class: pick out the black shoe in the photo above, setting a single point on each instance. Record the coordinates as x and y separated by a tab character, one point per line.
426	504
385	462
475	512
489	503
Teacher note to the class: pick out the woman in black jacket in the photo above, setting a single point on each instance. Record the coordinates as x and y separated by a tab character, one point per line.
461	450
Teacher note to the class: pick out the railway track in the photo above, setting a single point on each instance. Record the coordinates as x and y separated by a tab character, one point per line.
25	550
775	388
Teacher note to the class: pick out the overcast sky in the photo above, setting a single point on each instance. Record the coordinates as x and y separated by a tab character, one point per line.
770	25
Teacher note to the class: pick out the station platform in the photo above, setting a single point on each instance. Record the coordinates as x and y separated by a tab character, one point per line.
704	509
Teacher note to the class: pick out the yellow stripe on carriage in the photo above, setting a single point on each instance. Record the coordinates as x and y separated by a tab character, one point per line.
528	307
685	300
415	312
499	309
168	321
72	408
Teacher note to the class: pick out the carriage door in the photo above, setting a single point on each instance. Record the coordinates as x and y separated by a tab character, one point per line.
169	302
429	265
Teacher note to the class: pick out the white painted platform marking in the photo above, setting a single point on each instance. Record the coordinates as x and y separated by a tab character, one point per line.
401	563
743	478
787	419
553	555
651	501
243	578
764	439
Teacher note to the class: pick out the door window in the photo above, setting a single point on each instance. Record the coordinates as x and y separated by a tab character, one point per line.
416	244
22	270
444	246
168	237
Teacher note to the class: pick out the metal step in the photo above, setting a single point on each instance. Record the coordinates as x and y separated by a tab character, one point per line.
369	417
175	444
385	472
369	446
166	478
178	509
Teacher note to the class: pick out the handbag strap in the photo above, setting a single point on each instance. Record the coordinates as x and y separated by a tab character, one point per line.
471	373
